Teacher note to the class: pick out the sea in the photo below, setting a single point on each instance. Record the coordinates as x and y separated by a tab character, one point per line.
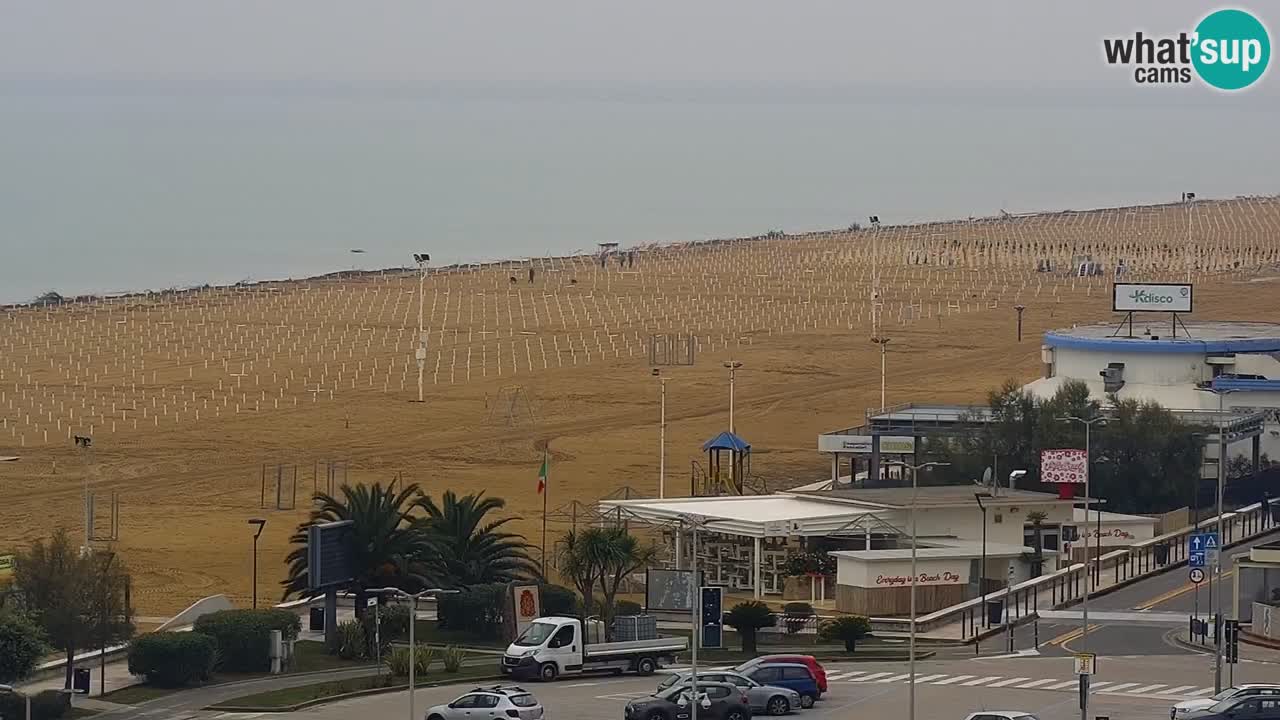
108	190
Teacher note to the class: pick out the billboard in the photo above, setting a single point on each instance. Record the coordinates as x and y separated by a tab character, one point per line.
1151	297
1064	466
668	590
526	605
889	444
329	558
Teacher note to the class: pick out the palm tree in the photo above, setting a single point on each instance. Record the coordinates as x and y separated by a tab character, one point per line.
387	547
600	559
471	549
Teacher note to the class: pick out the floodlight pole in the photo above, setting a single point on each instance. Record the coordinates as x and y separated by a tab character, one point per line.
421	352
14	690
733	366
695	603
413	620
911	647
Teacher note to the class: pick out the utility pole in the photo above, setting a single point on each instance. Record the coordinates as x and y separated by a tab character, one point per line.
915	576
1088	573
662	436
733	366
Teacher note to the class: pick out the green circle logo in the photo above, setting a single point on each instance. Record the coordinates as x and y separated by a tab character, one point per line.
1232	49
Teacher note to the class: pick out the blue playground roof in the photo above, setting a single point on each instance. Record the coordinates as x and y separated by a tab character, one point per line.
727	441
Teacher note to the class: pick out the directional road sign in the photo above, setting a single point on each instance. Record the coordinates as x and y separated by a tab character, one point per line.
1199	542
1195	559
1197	575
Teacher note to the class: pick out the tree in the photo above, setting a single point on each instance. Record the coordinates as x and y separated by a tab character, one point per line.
472	550
747	618
620	554
78	598
21	645
388	547
1037	518
580	564
848	629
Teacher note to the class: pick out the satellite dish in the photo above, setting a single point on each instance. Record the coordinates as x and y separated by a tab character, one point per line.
987	476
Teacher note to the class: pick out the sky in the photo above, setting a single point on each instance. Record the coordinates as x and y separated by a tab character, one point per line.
988	45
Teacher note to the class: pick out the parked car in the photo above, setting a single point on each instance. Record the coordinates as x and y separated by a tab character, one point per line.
771	699
495	701
1001	715
716	701
792	676
1250	707
1185	708
807	660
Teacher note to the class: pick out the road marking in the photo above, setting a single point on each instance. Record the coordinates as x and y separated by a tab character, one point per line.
1067	637
845	675
1035	684
982	680
585	684
896	678
927	678
953	679
872	676
1010	681
1121	686
1179	689
1147	688
1061	685
1099	685
1201	691
1165	597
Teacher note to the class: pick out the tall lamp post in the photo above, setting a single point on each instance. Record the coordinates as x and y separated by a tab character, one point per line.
883	342
259	523
662	436
732	366
14	690
1216	597
694	522
413	620
911	647
982	572
1088	573
421	353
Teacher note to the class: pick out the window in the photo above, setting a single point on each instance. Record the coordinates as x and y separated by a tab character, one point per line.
795	673
523	700
764	676
486	701
535	634
737	680
716	692
466	701
563	637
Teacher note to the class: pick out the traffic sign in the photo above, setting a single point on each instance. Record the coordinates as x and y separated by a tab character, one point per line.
1196	559
1197	575
1199	542
1086	663
1211	541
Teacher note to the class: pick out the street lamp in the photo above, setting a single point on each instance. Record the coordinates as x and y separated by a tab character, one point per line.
1216	598
421	353
883	342
413	620
12	689
911	648
732	366
982	573
259	523
662	439
695	601
1088	574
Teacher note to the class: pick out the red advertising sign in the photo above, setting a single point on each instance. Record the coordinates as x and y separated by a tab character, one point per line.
1063	466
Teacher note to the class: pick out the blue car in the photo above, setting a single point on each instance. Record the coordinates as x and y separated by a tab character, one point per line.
792	676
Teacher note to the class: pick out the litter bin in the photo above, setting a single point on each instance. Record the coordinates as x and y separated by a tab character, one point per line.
80	678
995	612
316	623
1162	554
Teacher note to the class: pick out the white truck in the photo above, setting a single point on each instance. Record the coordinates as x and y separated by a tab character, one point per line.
553	646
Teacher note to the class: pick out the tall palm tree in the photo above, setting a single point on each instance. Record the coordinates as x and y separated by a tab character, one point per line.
473	549
386	545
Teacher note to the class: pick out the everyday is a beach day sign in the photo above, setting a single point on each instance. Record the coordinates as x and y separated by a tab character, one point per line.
1151	297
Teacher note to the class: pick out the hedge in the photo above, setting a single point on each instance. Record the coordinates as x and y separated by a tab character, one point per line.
244	636
45	705
21	646
173	659
559	600
477	609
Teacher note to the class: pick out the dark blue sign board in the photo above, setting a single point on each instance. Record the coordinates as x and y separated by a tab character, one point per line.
712	617
1196	559
1200	542
329	560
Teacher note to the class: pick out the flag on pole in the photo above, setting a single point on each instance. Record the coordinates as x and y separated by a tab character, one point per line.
542	475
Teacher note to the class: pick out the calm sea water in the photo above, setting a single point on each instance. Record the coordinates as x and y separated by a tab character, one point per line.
102	193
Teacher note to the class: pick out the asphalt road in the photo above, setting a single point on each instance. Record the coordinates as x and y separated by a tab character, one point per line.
945	690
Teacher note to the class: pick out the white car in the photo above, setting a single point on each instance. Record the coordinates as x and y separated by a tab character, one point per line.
1187	708
486	703
1001	715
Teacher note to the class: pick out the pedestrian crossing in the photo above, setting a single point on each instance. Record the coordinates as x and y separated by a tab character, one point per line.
1158	691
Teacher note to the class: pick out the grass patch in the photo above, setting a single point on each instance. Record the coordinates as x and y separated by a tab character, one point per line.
427	632
288	697
136	694
310	656
79	712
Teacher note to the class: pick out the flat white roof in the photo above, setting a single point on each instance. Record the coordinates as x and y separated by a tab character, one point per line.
1110	517
762	515
946	549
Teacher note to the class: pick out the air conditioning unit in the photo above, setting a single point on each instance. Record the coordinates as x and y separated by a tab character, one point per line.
1113	377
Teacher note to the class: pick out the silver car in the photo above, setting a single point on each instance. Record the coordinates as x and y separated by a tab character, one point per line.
1189	708
490	703
764	698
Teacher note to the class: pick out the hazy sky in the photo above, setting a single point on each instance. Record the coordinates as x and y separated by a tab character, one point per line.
779	43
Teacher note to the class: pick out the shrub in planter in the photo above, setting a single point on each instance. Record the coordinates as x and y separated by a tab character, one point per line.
848	629
173	659
453	657
795	615
244	636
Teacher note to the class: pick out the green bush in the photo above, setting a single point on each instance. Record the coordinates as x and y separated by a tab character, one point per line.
748	617
397	662
848	629
244	636
559	600
353	644
394	620
626	607
21	646
795	615
45	705
173	659
477	609
453	657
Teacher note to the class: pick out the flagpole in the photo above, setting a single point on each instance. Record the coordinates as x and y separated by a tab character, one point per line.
546	488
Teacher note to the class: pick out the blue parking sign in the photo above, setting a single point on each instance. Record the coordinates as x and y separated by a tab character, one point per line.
1196	559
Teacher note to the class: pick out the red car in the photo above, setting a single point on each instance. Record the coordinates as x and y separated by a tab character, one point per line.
819	673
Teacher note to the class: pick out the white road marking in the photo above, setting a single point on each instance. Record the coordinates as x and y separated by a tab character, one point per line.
927	678
1035	684
896	678
1179	689
1099	685
845	675
954	679
1121	686
1010	681
1201	691
1147	689
872	676
585	684
1062	685
980	681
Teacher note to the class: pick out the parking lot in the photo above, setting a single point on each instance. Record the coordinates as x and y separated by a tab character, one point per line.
944	691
